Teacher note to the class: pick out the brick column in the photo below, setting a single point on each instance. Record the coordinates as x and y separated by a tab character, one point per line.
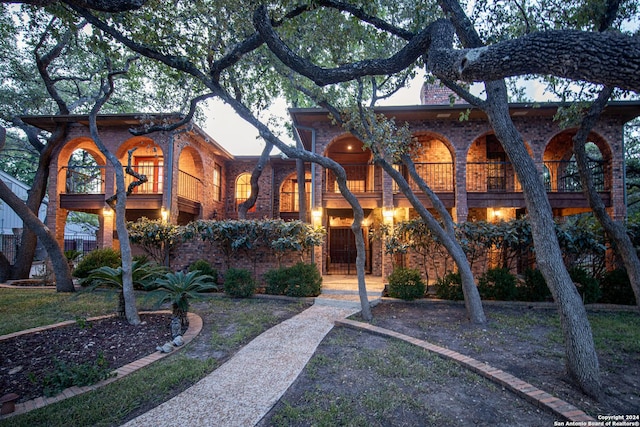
461	209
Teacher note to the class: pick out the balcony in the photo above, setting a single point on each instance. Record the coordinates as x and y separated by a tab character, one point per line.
438	176
85	189
495	183
364	180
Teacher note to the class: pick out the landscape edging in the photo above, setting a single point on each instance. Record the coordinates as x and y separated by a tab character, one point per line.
195	326
521	388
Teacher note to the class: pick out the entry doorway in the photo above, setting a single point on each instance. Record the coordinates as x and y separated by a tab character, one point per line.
342	251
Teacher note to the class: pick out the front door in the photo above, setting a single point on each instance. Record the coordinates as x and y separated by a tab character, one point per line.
342	251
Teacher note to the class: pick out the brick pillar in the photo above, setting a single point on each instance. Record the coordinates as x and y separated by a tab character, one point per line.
105	232
461	210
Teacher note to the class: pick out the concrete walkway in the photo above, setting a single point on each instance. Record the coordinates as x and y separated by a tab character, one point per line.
245	388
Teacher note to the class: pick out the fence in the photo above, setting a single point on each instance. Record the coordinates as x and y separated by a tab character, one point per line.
84	243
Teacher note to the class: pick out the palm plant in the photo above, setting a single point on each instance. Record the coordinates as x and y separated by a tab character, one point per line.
179	288
144	273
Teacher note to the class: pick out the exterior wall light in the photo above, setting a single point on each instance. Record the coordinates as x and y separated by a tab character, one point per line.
387	214
164	213
107	211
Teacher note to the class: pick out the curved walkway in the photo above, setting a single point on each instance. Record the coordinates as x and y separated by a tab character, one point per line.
245	388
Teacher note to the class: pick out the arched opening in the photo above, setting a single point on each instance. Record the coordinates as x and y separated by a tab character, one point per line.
561	170
290	198
356	161
146	159
433	160
243	189
190	174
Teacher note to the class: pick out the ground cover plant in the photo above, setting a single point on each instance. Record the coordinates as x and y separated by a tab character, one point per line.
228	325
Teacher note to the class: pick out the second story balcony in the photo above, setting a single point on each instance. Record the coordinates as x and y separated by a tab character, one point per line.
85	187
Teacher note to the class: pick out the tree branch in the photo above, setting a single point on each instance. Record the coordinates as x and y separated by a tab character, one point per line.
101	5
416	47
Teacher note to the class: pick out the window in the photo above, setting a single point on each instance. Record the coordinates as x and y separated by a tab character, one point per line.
243	189
152	167
217	182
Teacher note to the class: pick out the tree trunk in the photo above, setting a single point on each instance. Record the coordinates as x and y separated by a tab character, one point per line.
28	241
616	231
64	282
131	312
472	301
580	355
244	207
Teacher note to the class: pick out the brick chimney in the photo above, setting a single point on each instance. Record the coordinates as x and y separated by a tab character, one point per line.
437	94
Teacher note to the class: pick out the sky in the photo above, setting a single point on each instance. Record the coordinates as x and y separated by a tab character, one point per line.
240	138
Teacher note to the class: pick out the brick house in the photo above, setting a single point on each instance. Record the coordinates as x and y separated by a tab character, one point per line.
192	177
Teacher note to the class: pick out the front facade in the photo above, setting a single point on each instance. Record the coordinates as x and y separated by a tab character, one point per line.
191	177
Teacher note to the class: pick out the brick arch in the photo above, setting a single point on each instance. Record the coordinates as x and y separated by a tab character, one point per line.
81	143
422	153
560	145
346	149
558	157
476	143
144	146
63	157
190	161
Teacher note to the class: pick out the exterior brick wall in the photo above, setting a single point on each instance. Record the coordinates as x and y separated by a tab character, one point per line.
257	262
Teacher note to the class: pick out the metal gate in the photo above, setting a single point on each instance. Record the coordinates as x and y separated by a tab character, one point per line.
342	252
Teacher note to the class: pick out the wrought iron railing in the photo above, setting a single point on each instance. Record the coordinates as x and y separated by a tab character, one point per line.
563	176
438	176
189	186
558	177
361	178
488	177
155	177
83	179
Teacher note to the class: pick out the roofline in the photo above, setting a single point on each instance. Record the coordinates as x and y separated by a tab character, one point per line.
48	122
462	107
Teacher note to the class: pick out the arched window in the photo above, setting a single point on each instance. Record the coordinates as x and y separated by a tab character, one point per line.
243	189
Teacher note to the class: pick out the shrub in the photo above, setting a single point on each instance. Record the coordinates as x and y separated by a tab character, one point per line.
143	275
450	287
205	268
499	284
534	288
587	285
106	257
304	280
239	283
65	376
406	284
179	289
277	281
616	288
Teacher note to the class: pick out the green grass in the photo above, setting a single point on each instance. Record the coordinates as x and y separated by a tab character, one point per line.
616	332
117	402
400	371
134	394
242	327
29	308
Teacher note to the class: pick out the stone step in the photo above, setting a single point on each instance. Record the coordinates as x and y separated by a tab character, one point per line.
348	292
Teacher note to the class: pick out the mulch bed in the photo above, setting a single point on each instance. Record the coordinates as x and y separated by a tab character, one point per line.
27	359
